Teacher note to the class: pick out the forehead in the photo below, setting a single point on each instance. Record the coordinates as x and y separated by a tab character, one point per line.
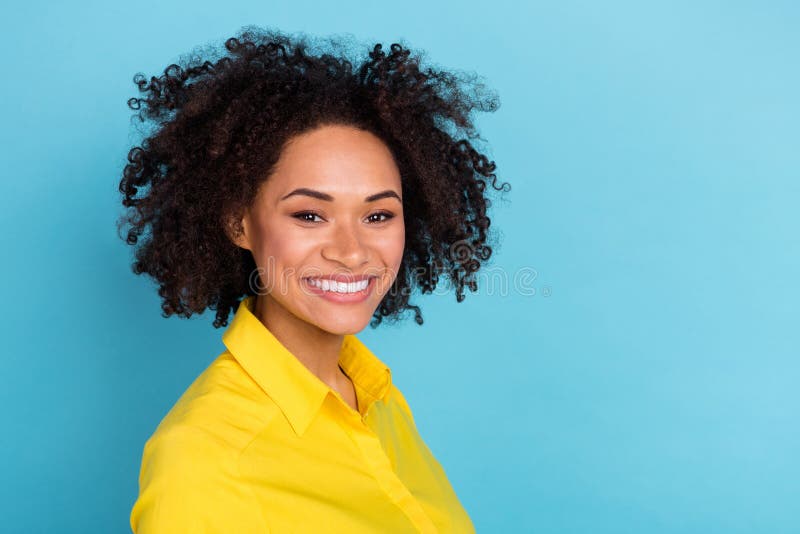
335	159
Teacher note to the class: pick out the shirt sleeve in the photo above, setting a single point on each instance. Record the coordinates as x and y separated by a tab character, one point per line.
190	484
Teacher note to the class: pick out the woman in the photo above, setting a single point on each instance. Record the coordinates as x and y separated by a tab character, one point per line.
309	197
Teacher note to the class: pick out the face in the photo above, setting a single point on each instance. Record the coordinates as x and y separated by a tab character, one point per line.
326	230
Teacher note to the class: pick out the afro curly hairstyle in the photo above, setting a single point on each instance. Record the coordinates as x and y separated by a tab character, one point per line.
218	123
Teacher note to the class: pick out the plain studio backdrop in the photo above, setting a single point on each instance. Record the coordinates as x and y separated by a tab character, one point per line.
638	373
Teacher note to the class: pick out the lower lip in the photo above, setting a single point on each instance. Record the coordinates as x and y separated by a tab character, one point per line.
341	298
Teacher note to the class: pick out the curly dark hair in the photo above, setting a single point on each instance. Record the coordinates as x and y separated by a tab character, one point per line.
218	126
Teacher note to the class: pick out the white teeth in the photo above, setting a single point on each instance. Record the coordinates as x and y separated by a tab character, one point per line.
339	287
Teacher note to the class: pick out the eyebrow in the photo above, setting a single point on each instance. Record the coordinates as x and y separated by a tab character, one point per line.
325	196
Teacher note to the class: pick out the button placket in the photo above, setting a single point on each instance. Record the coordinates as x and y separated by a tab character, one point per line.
373	451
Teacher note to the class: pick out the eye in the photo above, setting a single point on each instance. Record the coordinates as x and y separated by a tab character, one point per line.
306	216
385	214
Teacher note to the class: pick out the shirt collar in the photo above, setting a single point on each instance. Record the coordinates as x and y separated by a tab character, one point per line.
297	391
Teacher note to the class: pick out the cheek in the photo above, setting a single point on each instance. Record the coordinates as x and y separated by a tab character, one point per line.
283	251
280	250
391	247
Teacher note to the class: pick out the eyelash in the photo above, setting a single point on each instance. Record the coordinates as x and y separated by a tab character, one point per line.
299	215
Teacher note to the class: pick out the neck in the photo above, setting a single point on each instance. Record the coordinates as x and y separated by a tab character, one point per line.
317	349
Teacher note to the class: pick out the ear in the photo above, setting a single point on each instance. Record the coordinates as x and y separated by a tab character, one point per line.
237	230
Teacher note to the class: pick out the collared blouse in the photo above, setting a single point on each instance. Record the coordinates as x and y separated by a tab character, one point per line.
258	443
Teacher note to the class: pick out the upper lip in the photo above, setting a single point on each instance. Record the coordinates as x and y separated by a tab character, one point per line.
345	278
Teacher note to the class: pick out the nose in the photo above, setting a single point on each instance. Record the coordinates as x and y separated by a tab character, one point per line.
346	247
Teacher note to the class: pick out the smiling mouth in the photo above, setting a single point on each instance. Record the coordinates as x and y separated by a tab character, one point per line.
341	288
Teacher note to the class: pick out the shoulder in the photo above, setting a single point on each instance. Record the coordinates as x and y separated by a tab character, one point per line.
397	397
189	476
223	405
190	483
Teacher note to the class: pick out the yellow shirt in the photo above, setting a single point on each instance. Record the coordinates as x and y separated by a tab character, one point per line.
258	443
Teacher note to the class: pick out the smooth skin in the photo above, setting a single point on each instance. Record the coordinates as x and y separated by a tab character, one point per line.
292	236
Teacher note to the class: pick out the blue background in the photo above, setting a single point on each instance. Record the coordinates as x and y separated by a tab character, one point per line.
650	383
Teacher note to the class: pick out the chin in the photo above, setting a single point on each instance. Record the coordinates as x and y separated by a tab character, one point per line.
343	328
343	324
